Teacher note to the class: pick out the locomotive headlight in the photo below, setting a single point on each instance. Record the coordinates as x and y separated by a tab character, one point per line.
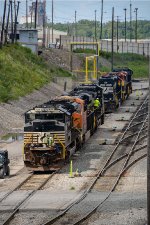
110	98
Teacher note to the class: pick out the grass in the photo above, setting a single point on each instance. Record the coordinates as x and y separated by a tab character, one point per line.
138	63
21	72
86	50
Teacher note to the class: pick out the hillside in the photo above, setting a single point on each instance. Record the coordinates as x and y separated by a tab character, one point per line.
21	72
138	63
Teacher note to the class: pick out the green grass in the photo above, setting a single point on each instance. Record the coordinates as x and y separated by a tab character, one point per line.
138	63
86	50
21	72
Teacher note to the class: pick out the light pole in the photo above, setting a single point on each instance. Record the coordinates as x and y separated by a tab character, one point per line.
75	18
35	19
136	9
95	25
117	32
101	31
112	44
52	21
130	21
125	21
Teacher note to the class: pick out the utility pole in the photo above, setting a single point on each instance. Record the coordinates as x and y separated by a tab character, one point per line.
26	13
112	42
95	25
12	27
125	21
130	21
15	22
18	9
75	17
52	21
117	31
68	29
31	15
136	9
3	23
7	25
44	31
101	31
148	154
35	20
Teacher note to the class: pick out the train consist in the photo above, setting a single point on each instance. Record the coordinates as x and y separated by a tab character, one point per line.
117	86
56	129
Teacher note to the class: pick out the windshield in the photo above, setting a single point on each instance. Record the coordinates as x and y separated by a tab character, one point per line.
1	159
44	116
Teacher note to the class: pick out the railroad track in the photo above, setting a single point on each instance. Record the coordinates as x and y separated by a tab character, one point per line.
32	183
134	133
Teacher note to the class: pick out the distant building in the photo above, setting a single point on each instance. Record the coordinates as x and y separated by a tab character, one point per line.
48	36
29	38
41	12
23	19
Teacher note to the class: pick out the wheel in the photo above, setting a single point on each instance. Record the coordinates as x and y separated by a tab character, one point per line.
8	171
2	173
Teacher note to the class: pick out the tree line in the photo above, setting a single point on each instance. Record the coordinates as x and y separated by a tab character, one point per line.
87	28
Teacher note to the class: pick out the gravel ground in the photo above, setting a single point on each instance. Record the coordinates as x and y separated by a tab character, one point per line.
87	161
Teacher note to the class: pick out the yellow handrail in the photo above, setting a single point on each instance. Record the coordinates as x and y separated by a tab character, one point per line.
63	146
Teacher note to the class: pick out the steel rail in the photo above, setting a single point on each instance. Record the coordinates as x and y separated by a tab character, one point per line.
116	182
123	156
17	187
54	219
132	135
17	208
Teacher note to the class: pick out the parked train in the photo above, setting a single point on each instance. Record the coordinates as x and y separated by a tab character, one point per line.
117	86
56	129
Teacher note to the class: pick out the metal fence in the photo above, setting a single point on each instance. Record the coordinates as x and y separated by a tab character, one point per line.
141	47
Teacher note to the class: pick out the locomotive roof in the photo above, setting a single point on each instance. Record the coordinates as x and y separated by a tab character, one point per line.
126	69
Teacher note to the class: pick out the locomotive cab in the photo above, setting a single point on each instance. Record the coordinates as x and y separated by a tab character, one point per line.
111	85
46	132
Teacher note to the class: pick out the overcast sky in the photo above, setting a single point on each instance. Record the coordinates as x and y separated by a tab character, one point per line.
64	10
